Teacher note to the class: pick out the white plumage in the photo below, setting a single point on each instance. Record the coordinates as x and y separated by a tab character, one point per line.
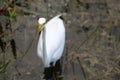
51	41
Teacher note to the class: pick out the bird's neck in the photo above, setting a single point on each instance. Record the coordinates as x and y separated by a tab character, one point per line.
44	42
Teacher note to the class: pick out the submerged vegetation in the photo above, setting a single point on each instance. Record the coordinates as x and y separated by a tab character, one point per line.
6	37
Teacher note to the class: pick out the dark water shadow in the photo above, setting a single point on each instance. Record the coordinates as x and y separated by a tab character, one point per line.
53	72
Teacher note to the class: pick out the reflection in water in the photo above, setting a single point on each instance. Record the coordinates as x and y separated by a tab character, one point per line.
53	72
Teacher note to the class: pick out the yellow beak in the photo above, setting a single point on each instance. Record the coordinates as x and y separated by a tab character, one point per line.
40	27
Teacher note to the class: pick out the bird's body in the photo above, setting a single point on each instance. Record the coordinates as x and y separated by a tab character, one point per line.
51	41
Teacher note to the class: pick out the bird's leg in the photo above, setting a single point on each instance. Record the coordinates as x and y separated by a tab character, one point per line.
58	70
53	77
48	72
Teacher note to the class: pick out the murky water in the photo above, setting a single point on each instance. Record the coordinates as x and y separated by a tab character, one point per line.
88	49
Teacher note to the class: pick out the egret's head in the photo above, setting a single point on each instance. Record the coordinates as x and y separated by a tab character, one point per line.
41	23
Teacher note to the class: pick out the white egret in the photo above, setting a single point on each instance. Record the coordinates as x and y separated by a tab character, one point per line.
51	41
